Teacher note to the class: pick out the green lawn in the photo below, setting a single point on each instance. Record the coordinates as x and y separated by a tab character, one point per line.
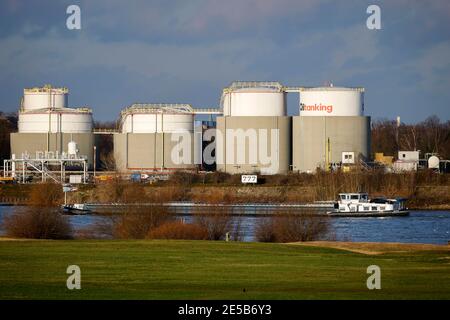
214	270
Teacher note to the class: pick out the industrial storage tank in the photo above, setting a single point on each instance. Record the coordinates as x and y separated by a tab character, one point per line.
46	125
155	137
254	99
45	97
331	126
254	134
157	118
331	101
56	120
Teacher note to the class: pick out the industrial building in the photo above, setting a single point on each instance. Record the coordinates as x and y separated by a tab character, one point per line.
148	135
47	125
252	132
158	137
331	130
50	133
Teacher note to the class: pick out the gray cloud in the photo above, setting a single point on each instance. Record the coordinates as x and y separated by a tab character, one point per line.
186	51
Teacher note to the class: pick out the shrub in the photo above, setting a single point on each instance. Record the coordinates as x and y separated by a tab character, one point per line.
217	221
138	221
167	194
265	231
132	193
45	195
216	177
213	196
293	227
38	223
109	191
179	230
180	177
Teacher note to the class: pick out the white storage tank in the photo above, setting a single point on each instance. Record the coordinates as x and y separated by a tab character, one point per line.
44	97
157	118
53	121
433	162
254	99
332	101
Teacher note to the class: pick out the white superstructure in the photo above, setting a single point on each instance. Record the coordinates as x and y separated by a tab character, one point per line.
254	99
157	118
332	101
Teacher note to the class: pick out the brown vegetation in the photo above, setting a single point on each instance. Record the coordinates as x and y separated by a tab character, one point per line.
118	191
139	221
292	227
178	230
46	195
41	220
217	220
424	189
38	223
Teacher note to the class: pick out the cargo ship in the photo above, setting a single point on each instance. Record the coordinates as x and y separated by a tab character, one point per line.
359	205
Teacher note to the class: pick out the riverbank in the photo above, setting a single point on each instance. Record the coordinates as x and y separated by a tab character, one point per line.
425	190
422	198
216	270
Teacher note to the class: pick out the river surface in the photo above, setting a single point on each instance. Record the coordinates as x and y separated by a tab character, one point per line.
420	227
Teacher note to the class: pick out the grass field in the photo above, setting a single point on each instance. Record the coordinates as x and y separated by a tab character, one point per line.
218	270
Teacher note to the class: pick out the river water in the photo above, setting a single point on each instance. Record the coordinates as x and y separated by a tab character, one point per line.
420	227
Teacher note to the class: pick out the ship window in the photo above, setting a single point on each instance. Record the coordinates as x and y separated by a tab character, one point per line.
374	208
382	208
343	197
366	208
354	197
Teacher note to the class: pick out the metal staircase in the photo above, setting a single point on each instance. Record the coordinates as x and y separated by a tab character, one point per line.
43	171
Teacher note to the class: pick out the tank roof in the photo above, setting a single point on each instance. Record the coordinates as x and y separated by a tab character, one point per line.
56	110
359	89
271	85
46	88
158	108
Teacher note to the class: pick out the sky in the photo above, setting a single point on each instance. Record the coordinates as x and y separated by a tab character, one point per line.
187	51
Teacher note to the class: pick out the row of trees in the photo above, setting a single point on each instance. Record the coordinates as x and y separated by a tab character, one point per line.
428	136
